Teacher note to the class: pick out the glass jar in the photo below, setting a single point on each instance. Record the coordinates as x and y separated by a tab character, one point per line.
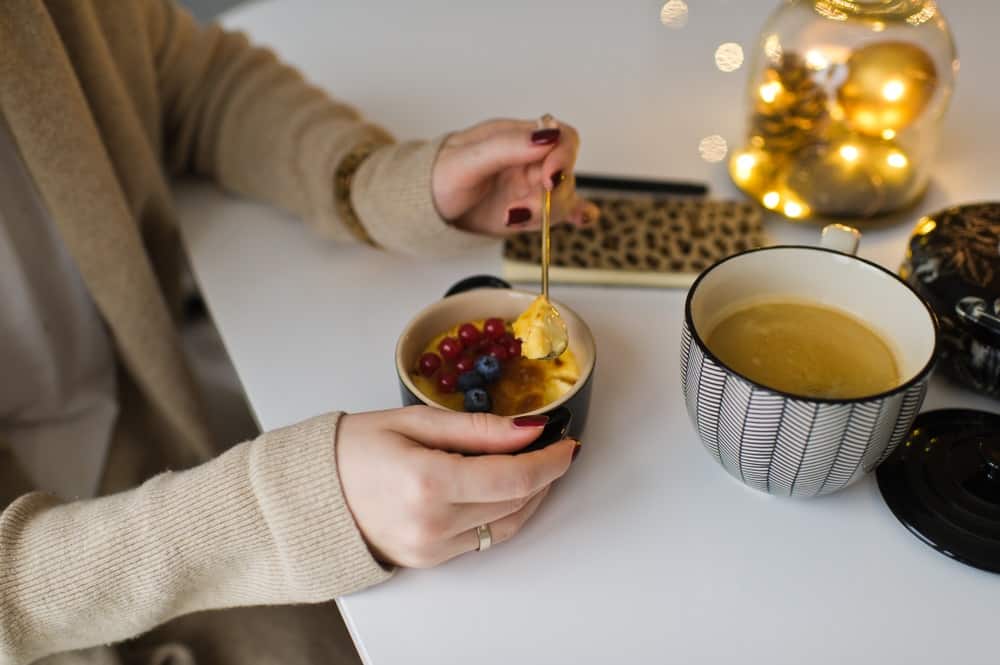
846	99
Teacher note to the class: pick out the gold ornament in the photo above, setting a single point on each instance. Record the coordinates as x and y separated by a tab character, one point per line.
754	171
789	107
888	86
855	177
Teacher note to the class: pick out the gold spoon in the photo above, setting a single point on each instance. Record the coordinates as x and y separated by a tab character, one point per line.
540	328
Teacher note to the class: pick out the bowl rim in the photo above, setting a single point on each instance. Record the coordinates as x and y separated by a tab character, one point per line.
586	372
916	379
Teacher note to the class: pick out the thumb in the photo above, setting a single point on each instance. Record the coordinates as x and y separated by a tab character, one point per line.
502	150
475	433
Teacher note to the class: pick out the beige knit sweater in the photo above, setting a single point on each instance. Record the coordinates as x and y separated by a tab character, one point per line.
105	100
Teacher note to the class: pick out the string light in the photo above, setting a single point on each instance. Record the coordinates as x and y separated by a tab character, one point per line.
816	60
793	209
744	166
771	200
888	134
770	91
897	160
849	153
893	90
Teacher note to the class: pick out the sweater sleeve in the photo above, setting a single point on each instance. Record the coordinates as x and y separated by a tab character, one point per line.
265	523
235	113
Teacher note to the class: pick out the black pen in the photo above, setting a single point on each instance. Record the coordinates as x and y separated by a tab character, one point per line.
586	181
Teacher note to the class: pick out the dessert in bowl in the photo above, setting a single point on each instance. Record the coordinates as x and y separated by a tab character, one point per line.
461	349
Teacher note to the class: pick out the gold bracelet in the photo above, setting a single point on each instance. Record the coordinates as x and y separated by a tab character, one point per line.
342	190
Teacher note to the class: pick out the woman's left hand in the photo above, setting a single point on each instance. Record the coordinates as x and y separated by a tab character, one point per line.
489	178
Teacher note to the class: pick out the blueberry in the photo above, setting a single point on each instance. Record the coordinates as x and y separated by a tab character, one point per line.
469	380
488	368
477	399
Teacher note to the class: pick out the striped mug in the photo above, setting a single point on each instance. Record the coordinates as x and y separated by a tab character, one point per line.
787	444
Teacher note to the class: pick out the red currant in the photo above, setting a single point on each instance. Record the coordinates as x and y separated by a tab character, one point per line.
447	382
466	364
469	334
450	348
506	339
514	348
429	364
499	352
494	328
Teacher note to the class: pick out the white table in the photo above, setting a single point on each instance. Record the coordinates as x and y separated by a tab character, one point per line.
647	552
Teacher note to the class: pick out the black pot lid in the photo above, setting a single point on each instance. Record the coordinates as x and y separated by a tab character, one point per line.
943	483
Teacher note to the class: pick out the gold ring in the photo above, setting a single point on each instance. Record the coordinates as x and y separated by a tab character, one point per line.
546	119
485	537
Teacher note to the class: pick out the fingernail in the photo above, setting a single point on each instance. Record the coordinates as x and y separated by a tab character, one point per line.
526	422
545	136
557	178
576	450
518	216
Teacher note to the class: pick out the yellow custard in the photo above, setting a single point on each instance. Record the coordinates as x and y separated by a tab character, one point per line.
524	385
542	333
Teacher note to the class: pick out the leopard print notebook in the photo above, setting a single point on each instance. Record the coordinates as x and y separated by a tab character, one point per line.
640	241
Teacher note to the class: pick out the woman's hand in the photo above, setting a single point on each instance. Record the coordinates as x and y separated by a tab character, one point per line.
489	178
418	500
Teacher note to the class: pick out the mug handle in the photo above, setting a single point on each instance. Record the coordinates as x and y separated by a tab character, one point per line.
841	238
555	430
477	282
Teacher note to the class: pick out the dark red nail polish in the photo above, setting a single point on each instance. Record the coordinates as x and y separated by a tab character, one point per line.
576	451
526	422
518	216
545	136
557	178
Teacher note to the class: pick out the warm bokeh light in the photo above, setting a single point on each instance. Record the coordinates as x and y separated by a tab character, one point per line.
793	209
849	153
893	90
897	160
770	91
713	148
825	9
926	13
925	226
888	134
744	166
674	14
816	60
729	57
878	26
771	200
772	48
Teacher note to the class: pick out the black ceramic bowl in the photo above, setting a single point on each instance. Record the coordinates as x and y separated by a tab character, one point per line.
954	263
484	297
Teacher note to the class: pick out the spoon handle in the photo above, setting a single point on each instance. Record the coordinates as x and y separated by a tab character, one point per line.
546	240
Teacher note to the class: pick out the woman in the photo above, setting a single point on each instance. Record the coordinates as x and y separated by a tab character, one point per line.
99	101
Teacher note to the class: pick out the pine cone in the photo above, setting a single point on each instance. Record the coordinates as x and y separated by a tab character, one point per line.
796	113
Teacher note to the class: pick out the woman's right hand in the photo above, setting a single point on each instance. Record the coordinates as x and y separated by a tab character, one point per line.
418	500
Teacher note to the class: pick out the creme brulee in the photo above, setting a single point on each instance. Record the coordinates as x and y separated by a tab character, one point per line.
523	385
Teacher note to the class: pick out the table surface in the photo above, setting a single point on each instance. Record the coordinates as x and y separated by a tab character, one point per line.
647	551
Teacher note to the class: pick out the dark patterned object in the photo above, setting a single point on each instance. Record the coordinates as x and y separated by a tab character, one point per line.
785	445
649	234
943	484
954	262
